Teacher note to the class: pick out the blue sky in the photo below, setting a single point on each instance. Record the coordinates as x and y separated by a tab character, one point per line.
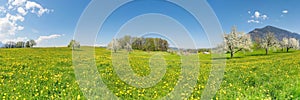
53	28
52	22
281	13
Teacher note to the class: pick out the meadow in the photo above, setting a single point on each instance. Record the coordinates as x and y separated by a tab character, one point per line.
48	73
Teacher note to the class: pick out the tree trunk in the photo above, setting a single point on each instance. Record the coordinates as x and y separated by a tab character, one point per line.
287	49
231	54
267	51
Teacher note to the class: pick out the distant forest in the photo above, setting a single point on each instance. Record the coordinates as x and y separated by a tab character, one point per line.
139	43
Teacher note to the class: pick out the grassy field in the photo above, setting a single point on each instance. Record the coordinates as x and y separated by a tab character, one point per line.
42	73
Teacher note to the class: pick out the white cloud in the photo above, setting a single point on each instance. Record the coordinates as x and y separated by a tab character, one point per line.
2	10
253	21
285	11
13	14
8	24
257	14
15	40
7	28
264	17
17	2
43	38
257	17
33	6
20	28
24	6
22	11
15	18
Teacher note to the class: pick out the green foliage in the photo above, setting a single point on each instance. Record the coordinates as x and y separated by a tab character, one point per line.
74	44
30	43
268	41
137	43
114	45
20	44
150	44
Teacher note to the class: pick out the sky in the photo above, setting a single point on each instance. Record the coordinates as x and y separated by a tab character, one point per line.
250	14
49	22
52	23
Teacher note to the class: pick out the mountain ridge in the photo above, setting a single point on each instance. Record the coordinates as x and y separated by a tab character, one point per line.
279	33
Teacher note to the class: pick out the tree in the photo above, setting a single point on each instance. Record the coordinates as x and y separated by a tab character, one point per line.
114	45
20	44
268	41
290	43
27	44
10	44
139	43
124	41
128	47
237	41
74	44
149	44
30	43
283	43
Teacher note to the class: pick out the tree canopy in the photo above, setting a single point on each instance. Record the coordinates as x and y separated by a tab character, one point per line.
268	41
74	44
237	41
138	43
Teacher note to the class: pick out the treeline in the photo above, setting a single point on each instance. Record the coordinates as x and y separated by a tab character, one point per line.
239	41
138	43
20	44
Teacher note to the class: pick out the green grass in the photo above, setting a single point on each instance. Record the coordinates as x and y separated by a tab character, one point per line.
43	73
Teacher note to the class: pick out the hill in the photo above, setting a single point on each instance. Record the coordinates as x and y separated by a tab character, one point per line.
278	32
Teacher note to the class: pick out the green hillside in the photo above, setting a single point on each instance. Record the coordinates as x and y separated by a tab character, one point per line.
42	73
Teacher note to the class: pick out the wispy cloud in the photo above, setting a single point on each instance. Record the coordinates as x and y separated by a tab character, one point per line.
253	21
43	38
285	11
35	30
32	6
249	12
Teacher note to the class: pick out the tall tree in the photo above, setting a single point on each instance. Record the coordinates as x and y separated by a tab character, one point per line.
128	47
30	43
27	44
137	43
237	41
268	41
146	44
124	41
20	44
10	44
114	45
289	43
74	44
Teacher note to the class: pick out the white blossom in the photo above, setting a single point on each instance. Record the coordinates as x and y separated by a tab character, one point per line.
237	41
